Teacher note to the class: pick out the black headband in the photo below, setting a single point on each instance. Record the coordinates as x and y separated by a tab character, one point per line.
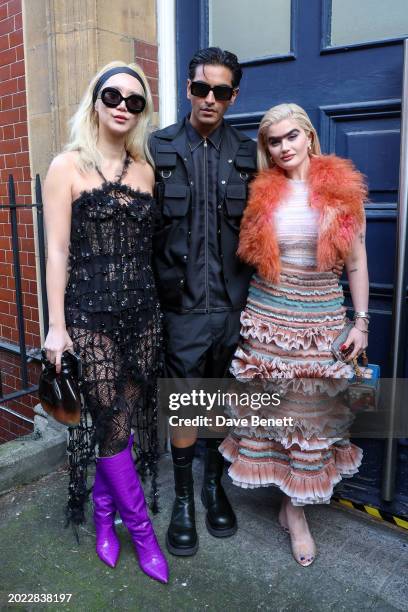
107	75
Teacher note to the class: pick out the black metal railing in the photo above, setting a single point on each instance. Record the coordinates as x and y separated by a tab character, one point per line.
21	349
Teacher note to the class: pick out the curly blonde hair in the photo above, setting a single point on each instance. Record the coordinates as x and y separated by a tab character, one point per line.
84	125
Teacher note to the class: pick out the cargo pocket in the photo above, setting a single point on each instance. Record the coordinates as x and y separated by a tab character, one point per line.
235	201
245	163
165	161
176	200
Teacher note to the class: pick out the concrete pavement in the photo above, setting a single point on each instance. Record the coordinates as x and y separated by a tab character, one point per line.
361	564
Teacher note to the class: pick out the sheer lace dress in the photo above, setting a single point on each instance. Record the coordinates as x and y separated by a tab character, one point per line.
113	317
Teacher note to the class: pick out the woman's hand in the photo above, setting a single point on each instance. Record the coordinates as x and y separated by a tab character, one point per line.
357	340
55	344
337	269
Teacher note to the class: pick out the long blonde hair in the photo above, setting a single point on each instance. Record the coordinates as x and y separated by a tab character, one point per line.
279	113
84	126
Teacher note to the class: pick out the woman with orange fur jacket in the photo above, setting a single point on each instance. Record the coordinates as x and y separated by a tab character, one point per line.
305	212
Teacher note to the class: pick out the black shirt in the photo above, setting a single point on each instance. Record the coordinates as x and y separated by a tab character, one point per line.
204	270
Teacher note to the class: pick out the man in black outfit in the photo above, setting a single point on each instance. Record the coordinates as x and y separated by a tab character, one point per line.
203	166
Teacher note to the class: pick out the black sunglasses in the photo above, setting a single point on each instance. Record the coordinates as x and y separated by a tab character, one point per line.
201	90
112	97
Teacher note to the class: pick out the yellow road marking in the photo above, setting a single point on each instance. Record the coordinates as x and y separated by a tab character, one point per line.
373	512
400	522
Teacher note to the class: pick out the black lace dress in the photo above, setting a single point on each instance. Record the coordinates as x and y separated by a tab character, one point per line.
113	318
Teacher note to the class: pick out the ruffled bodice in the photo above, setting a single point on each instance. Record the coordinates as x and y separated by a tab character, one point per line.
296	224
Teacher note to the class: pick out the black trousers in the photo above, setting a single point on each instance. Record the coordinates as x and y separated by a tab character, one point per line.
200	345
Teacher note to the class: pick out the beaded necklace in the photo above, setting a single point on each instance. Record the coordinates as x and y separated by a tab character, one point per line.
120	176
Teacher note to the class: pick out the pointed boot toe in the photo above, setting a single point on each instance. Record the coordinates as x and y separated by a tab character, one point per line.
151	559
107	542
108	547
156	568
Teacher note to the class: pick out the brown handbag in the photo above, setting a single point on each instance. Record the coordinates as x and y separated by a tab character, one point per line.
59	393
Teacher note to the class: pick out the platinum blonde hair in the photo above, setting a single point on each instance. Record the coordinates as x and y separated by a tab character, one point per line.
84	126
275	115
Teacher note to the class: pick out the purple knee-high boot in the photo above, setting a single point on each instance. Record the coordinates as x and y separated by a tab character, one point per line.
107	542
119	474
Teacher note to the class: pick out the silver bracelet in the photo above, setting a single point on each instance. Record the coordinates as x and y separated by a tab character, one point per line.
361	315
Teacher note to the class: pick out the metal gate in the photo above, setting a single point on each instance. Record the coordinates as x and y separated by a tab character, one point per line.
24	357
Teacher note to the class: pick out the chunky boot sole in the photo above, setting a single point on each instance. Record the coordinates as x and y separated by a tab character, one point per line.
181	552
217	533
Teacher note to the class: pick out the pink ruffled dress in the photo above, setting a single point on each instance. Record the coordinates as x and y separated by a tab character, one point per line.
286	334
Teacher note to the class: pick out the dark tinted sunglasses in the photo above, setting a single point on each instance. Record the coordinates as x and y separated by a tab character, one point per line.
112	97
201	90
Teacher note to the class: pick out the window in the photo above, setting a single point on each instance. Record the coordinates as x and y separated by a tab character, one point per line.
354	22
255	29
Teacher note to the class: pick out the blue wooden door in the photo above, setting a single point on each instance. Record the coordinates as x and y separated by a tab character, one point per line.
352	92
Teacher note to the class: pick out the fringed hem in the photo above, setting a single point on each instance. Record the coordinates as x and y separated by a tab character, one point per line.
81	451
82	441
306	488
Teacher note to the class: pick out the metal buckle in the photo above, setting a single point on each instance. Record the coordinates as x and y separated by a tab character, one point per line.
165	174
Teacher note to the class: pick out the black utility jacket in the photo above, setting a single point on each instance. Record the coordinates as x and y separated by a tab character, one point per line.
173	236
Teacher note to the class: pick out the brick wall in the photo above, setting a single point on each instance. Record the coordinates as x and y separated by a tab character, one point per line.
14	159
146	57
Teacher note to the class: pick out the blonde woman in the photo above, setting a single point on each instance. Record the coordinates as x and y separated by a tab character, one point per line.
305	212
99	213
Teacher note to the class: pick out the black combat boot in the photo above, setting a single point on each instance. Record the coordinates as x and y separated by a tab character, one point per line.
221	521
182	539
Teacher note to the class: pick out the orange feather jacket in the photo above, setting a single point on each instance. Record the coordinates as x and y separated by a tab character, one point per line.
337	190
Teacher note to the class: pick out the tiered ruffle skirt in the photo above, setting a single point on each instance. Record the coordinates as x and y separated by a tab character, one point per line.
286	334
